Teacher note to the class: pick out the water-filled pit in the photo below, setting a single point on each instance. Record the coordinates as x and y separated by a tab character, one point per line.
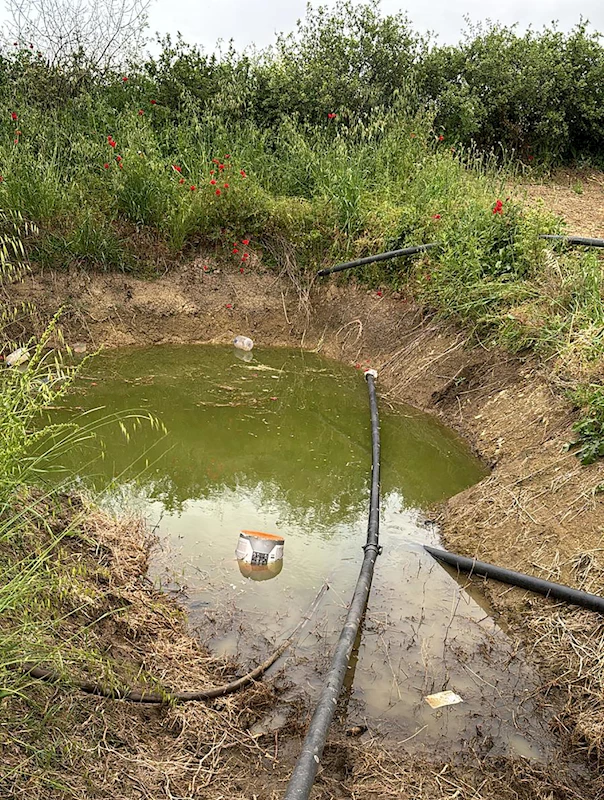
281	443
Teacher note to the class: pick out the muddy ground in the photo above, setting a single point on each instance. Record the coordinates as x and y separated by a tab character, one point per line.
539	511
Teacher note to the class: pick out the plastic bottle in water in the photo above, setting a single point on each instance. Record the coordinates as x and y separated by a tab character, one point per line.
243	342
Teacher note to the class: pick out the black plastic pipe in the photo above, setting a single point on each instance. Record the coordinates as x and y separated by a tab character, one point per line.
360	262
420	248
538	585
303	776
586	241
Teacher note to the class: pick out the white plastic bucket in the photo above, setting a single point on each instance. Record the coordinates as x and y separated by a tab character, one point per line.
259	549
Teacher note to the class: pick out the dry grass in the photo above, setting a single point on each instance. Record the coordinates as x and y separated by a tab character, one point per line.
377	775
572	645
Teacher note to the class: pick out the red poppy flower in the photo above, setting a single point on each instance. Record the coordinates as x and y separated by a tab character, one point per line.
106	165
530	158
153	102
241	270
245	256
221	167
212	182
182	180
245	241
124	79
14	117
211	172
16	141
435	216
441	138
205	268
176	168
215	161
140	112
118	158
379	293
226	185
242	173
17	133
498	207
111	142
229	305
227	156
218	192
193	188
331	115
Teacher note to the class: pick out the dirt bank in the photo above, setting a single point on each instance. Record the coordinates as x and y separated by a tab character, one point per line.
539	511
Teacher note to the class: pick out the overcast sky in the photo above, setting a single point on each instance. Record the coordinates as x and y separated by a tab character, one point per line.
256	21
249	22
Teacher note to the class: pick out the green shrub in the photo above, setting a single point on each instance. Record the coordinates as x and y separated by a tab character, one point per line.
589	443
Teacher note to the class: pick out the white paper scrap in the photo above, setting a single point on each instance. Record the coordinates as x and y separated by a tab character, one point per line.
443	699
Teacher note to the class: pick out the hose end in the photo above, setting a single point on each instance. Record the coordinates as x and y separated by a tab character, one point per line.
371	372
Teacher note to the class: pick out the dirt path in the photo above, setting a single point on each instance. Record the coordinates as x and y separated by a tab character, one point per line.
539	511
576	195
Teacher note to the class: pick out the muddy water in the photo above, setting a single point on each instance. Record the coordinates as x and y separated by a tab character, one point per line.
281	444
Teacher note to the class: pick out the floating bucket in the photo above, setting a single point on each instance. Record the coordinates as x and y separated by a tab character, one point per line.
259	549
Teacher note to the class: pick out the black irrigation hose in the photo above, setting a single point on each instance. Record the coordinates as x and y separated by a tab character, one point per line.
303	776
538	585
587	242
360	262
420	248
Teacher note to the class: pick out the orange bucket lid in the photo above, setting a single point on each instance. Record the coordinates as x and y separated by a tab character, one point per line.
261	535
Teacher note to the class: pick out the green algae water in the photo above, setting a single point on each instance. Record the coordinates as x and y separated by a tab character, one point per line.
279	441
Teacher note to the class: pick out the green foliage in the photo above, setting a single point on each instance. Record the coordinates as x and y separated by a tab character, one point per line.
539	94
348	59
94	243
589	428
